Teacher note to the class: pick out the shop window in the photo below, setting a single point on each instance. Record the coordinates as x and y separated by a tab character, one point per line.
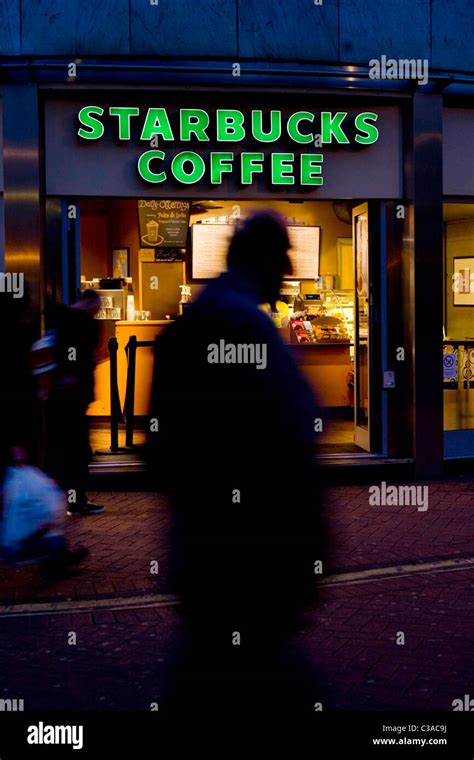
315	313
458	343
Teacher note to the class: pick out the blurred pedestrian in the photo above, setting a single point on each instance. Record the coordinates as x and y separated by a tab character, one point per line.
235	442
31	514
75	345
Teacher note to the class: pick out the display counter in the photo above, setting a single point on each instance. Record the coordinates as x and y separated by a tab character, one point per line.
328	368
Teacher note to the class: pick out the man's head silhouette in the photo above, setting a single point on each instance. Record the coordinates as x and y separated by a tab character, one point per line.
259	249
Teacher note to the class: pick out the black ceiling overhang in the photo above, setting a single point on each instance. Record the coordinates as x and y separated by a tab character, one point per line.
161	71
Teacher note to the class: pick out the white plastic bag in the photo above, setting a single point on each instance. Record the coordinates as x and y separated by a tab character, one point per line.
31	502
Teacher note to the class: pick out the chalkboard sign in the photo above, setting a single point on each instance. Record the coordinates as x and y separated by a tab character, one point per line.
163	224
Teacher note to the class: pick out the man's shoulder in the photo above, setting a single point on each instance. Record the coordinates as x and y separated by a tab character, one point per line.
221	302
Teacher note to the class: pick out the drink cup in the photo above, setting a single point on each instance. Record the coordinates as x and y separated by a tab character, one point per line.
152	231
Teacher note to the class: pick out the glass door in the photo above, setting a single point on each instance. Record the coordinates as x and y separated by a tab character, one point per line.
362	416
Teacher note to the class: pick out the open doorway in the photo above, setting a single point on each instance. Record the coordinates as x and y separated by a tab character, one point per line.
323	311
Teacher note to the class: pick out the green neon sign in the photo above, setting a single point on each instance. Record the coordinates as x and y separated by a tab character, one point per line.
303	129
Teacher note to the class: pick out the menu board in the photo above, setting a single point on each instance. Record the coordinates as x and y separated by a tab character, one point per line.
304	251
211	241
209	249
163	224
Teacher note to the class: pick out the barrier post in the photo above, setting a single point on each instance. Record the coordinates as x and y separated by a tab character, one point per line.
115	408
130	393
114	396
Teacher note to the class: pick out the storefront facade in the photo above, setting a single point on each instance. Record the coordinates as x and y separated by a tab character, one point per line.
96	149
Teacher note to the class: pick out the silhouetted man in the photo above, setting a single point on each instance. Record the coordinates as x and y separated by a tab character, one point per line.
236	422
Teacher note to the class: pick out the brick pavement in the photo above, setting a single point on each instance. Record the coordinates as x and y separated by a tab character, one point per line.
122	543
119	659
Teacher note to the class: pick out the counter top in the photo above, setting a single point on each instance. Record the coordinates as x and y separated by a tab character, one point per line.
320	343
143	322
458	340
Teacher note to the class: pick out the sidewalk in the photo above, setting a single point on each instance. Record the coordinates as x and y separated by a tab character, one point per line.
122	542
134	532
393	570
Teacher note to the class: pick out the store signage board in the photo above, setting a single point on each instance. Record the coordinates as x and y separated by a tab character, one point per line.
210	243
163	223
202	146
231	127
